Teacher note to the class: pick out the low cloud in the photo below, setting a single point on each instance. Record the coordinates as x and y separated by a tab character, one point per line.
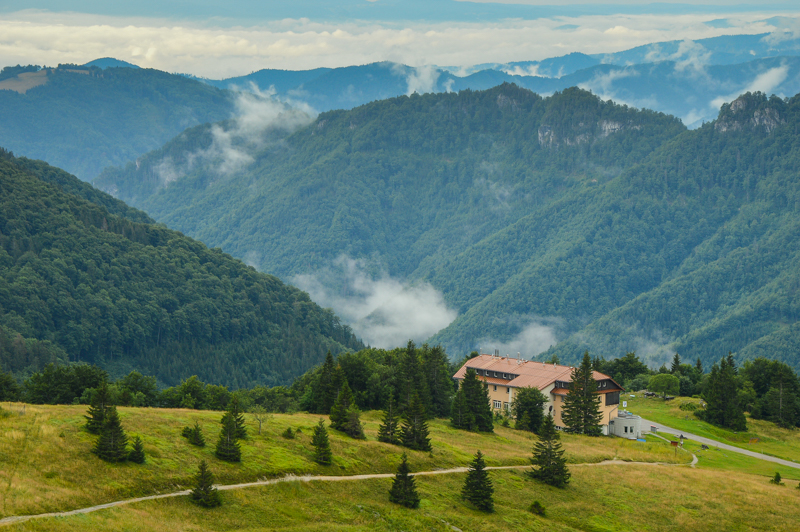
766	82
421	79
602	84
383	311
233	144
536	337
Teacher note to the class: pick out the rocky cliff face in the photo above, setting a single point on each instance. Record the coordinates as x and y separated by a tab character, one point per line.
751	112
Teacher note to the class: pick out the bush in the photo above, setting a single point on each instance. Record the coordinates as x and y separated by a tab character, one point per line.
537	508
688	406
288	434
777	479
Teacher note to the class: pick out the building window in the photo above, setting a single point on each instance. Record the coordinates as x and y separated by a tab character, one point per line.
495	387
626	430
612	398
498	404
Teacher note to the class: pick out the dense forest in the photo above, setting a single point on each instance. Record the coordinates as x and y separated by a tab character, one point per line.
80	284
83	119
615	228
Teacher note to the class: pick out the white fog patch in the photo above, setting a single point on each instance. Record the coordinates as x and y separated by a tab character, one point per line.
252	259
167	171
602	84
383	311
536	337
419	79
256	113
531	70
765	82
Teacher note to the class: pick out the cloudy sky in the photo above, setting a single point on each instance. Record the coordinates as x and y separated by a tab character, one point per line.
223	39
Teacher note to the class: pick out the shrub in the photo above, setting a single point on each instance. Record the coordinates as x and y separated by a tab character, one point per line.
288	434
537	508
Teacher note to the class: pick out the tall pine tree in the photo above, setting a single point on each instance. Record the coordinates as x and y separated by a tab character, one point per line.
204	493
228	448
101	402
414	432
472	410
112	445
436	367
548	460
389	430
478	488
344	400
322	447
237	413
326	387
404	491
461	417
581	413
723	407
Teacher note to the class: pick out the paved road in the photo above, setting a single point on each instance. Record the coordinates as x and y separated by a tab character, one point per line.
646	424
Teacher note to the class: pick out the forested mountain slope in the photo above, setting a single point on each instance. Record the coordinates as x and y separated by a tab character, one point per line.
609	228
408	179
83	119
78	283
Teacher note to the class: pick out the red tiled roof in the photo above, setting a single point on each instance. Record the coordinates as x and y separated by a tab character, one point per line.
559	391
530	374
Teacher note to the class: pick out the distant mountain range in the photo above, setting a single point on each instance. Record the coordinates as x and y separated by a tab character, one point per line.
83	119
688	79
565	223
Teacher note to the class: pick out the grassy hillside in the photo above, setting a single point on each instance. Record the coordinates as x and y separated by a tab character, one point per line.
606	497
80	284
84	119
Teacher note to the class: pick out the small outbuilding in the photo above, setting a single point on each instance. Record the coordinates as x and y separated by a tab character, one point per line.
626	425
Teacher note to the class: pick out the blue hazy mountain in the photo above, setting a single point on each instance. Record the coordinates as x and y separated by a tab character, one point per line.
689	79
110	62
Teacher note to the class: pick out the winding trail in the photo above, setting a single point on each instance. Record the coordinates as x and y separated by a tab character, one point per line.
305	478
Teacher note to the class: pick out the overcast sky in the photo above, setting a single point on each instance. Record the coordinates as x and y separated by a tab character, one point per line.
223	39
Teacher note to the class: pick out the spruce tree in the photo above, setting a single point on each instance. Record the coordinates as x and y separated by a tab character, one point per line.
388	431
723	406
404	491
676	364
436	367
581	413
325	387
137	452
478	488
194	435
322	447
228	448
344	400
237	413
476	405
204	493
528	409
548	460
460	416
101	402
414	432
353	426
112	445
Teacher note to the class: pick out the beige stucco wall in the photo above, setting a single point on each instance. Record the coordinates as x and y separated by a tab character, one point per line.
505	394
